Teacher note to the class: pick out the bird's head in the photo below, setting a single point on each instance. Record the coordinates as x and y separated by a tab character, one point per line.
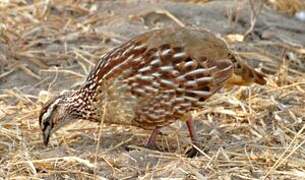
55	114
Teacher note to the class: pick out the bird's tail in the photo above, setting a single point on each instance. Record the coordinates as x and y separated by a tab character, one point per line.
244	74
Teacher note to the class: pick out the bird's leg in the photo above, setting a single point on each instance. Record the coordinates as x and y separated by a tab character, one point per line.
190	126
151	143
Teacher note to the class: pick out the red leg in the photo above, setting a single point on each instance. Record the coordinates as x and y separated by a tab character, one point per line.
192	152
190	127
151	143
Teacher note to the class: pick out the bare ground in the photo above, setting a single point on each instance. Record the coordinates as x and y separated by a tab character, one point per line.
252	132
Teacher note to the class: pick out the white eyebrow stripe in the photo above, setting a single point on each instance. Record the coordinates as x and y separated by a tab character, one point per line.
49	111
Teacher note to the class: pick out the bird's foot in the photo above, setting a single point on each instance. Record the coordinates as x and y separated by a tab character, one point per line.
192	152
195	151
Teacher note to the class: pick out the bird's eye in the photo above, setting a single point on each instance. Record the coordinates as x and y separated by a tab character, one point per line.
45	125
47	114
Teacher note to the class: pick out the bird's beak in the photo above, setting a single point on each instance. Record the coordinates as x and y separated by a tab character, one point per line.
46	139
46	136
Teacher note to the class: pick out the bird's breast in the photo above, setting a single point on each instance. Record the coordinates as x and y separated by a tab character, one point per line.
115	105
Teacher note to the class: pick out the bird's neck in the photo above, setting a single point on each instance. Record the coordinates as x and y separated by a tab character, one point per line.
81	104
89	103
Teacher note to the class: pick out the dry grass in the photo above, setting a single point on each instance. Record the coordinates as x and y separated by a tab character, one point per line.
290	7
193	1
247	133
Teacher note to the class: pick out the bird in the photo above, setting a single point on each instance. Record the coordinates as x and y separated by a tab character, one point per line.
151	81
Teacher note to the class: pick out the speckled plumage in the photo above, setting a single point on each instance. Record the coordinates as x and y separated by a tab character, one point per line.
153	80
